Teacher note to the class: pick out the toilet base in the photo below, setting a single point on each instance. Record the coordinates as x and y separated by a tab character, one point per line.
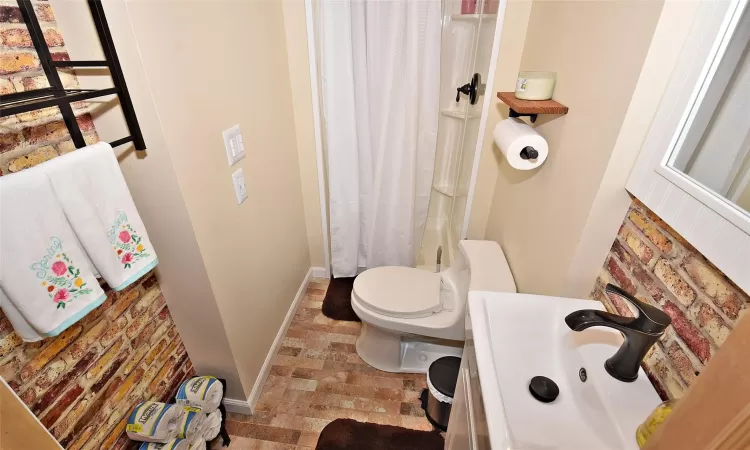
391	351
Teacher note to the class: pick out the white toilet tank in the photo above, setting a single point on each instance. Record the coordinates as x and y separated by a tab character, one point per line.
481	267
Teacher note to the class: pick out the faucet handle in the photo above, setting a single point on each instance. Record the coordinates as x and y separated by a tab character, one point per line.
650	318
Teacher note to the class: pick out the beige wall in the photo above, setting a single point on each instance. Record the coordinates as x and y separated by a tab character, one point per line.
508	62
597	50
295	28
229	272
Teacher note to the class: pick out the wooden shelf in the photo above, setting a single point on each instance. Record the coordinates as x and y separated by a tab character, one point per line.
528	107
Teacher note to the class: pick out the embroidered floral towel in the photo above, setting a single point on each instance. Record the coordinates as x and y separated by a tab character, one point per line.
46	277
90	187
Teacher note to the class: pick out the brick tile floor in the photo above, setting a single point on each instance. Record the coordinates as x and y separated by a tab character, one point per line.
316	377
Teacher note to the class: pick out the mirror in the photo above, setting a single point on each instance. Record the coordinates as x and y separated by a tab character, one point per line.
713	146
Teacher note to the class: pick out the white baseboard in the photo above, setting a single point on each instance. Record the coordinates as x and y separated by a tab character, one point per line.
261	380
237	406
319	272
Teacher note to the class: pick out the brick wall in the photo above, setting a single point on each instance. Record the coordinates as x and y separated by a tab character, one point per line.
29	138
83	383
650	260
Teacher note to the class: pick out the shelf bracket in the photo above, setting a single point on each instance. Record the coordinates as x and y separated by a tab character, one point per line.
512	113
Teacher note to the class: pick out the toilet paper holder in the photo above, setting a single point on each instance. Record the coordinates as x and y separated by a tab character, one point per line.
512	113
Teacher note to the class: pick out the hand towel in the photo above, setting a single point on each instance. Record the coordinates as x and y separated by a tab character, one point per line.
22	328
90	187
45	275
155	422
174	444
213	426
201	392
191	425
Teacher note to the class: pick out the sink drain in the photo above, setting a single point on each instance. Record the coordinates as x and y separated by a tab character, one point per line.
544	389
583	375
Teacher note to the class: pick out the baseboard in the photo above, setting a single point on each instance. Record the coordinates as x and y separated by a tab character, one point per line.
237	406
319	272
261	380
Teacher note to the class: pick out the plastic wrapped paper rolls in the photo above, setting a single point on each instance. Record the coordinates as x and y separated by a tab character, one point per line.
213	426
192	424
174	444
155	422
204	393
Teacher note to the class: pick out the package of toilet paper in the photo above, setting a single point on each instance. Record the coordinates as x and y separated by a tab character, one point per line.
213	426
154	422
201	392
174	444
198	445
192	424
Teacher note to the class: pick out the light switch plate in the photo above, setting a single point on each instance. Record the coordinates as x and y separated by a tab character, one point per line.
240	189
233	144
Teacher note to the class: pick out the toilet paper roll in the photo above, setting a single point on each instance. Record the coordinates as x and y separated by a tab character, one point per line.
192	424
213	426
154	422
201	392
518	141
174	444
198	445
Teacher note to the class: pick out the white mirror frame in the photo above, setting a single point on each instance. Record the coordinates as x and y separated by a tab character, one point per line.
713	225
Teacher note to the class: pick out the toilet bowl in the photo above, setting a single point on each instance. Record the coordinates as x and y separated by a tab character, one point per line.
411	317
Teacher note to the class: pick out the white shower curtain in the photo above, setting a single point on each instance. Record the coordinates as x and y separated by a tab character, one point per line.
380	74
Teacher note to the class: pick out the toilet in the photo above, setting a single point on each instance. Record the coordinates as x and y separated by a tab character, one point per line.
411	317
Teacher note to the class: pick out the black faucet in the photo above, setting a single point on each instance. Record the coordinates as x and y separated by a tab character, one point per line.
640	332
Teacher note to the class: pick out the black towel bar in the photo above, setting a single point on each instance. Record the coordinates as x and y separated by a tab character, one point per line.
57	95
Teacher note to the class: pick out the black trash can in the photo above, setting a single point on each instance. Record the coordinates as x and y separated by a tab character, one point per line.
441	386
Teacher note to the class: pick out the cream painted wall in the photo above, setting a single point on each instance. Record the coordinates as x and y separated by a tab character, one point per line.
597	50
211	67
154	185
295	28
196	70
508	62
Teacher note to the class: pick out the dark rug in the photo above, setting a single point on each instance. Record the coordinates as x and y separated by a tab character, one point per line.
337	304
348	434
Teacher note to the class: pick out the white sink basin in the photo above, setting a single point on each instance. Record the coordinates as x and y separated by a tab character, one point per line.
520	336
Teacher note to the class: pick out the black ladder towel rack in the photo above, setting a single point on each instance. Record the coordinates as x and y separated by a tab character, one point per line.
57	95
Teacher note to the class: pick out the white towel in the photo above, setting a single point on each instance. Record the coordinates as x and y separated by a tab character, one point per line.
191	425
45	275
174	444
155	422
20	325
201	392
213	426
90	187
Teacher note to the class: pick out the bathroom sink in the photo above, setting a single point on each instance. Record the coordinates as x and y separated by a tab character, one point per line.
520	336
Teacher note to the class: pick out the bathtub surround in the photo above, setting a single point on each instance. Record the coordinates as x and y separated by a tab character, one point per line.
653	262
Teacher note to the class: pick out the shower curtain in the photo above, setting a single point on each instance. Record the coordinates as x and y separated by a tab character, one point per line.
380	74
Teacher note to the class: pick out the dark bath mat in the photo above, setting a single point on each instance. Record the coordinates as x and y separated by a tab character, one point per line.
348	434
337	304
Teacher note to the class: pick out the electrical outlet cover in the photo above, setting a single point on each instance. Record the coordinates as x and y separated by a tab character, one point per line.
233	145
240	189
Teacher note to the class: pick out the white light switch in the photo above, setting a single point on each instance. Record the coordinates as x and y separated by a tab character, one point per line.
233	144
240	190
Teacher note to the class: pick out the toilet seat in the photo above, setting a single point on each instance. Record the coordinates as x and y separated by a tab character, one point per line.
402	292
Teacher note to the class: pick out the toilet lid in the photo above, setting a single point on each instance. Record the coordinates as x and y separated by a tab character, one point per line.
398	291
